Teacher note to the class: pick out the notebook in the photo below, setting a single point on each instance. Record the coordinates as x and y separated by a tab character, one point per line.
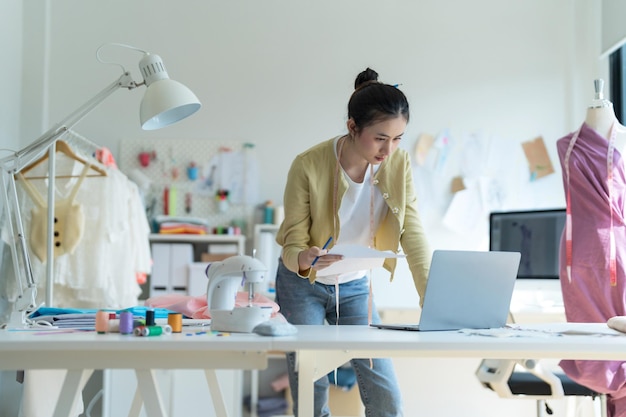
466	290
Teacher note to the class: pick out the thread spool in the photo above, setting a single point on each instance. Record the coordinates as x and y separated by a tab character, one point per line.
126	322
268	213
153	330
150	318
114	325
102	322
175	321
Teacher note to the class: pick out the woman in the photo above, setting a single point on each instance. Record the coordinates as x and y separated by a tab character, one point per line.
351	189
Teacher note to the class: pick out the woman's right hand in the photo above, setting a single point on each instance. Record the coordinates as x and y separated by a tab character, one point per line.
307	257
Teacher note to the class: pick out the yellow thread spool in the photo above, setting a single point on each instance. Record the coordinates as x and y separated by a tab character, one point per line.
175	320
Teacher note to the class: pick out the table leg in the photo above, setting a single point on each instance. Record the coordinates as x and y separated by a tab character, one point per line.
254	392
147	383
74	382
311	367
306	378
216	392
135	407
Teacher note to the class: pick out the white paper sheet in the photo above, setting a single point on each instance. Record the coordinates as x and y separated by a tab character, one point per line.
356	258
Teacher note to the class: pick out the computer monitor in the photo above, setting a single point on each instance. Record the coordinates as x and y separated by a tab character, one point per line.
536	234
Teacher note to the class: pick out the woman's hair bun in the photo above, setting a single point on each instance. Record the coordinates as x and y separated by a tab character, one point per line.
365	77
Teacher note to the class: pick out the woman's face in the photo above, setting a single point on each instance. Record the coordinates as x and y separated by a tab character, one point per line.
377	141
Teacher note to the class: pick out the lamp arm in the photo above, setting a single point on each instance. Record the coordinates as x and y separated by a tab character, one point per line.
24	157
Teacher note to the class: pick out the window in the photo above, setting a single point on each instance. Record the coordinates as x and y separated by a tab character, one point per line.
617	74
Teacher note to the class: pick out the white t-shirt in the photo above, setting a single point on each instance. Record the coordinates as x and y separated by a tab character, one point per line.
354	218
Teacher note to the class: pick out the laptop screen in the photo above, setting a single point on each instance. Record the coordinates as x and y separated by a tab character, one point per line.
536	234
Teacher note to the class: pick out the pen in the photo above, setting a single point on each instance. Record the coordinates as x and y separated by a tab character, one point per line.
324	247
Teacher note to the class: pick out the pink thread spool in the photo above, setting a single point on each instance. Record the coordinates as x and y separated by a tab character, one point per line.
102	322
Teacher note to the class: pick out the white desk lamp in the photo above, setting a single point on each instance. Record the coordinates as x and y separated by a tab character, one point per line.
165	102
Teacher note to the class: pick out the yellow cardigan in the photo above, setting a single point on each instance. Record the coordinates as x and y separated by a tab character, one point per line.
308	202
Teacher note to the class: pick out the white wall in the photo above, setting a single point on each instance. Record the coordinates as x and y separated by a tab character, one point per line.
613	31
279	74
10	73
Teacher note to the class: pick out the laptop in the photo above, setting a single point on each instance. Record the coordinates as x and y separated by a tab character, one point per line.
466	290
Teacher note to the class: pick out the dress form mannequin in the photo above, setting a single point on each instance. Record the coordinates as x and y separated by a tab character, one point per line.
601	116
592	253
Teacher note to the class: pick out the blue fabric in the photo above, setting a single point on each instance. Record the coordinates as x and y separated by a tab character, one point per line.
159	313
304	303
53	311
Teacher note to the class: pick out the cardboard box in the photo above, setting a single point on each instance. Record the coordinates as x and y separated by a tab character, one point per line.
215	257
342	403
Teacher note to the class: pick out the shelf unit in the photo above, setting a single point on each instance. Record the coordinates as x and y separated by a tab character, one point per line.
178	258
201	241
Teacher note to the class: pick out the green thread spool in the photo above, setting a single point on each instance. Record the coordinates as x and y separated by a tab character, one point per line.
152	330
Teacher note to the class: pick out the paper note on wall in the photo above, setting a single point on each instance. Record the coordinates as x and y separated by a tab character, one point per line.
457	185
422	147
539	162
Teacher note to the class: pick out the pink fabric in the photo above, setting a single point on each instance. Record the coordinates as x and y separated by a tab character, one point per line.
590	297
195	307
105	157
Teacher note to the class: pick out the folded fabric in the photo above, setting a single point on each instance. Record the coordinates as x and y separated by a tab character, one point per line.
617	323
182	228
173	219
267	406
53	313
281	383
195	307
81	321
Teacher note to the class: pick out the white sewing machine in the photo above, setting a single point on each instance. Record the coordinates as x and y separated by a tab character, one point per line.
225	278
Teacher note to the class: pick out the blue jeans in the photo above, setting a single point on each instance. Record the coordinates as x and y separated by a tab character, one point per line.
304	303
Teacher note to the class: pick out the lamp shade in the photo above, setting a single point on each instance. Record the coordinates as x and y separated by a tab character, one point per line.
166	101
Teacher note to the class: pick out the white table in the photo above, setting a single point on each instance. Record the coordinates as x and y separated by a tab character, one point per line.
319	348
82	352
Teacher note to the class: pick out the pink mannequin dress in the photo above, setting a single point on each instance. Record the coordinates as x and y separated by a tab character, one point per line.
592	276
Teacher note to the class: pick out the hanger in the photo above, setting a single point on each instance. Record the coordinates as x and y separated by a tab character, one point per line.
63	147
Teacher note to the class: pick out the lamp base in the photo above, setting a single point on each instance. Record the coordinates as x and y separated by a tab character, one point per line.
240	319
17	321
